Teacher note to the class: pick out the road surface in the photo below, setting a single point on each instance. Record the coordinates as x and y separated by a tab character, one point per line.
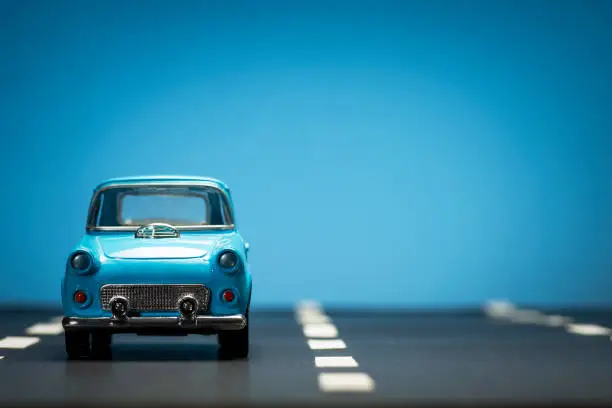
323	357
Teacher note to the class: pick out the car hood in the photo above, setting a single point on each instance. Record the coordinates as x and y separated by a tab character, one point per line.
128	247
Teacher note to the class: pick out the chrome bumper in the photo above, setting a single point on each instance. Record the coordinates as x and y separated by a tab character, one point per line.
135	324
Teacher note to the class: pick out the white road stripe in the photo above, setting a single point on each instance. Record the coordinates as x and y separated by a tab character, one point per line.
506	310
326	344
324	330
499	309
308	312
1	357
18	342
310	319
528	316
341	361
309	309
588	329
345	382
309	305
45	328
557	321
316	324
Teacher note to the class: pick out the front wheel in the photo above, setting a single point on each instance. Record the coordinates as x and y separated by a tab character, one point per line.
77	344
234	344
101	345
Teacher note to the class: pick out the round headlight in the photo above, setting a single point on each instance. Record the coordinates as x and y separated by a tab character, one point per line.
81	261
228	260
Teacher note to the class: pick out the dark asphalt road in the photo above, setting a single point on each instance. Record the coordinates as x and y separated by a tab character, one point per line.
410	357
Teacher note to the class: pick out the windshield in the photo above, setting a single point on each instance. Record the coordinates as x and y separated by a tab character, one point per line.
175	205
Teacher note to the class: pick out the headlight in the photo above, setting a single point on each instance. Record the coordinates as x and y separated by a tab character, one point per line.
228	260
81	261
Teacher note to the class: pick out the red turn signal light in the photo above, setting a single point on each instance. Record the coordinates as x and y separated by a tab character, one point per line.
80	297
228	296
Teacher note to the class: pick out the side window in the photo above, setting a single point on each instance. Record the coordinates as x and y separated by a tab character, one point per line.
100	208
225	211
221	214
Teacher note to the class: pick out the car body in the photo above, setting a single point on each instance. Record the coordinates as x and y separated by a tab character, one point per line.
160	255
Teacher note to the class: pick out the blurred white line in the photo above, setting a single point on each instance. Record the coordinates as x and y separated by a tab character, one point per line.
324	330
498	309
1	357
343	361
309	305
528	316
557	321
501	309
345	382
326	344
18	342
313	319
588	329
45	328
309	313
307	310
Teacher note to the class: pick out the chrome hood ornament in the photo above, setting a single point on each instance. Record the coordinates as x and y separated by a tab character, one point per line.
156	230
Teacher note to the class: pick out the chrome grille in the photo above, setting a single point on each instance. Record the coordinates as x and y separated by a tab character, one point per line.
155	298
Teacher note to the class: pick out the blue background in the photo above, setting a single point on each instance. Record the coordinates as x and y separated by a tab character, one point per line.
430	154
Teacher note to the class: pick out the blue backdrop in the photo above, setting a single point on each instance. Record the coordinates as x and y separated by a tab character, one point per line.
432	153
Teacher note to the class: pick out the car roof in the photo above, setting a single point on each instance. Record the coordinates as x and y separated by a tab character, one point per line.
160	178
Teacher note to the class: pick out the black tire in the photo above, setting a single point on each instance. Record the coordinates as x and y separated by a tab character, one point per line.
101	345
77	344
234	344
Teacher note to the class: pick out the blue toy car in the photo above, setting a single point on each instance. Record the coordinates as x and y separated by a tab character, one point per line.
161	255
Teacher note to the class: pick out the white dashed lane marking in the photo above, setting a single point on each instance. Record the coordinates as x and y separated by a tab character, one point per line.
588	329
320	330
503	310
345	382
528	316
557	321
308	305
322	335
328	362
326	344
18	342
312	319
53	328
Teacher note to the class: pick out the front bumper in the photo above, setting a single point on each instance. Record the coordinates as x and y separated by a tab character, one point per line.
144	324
